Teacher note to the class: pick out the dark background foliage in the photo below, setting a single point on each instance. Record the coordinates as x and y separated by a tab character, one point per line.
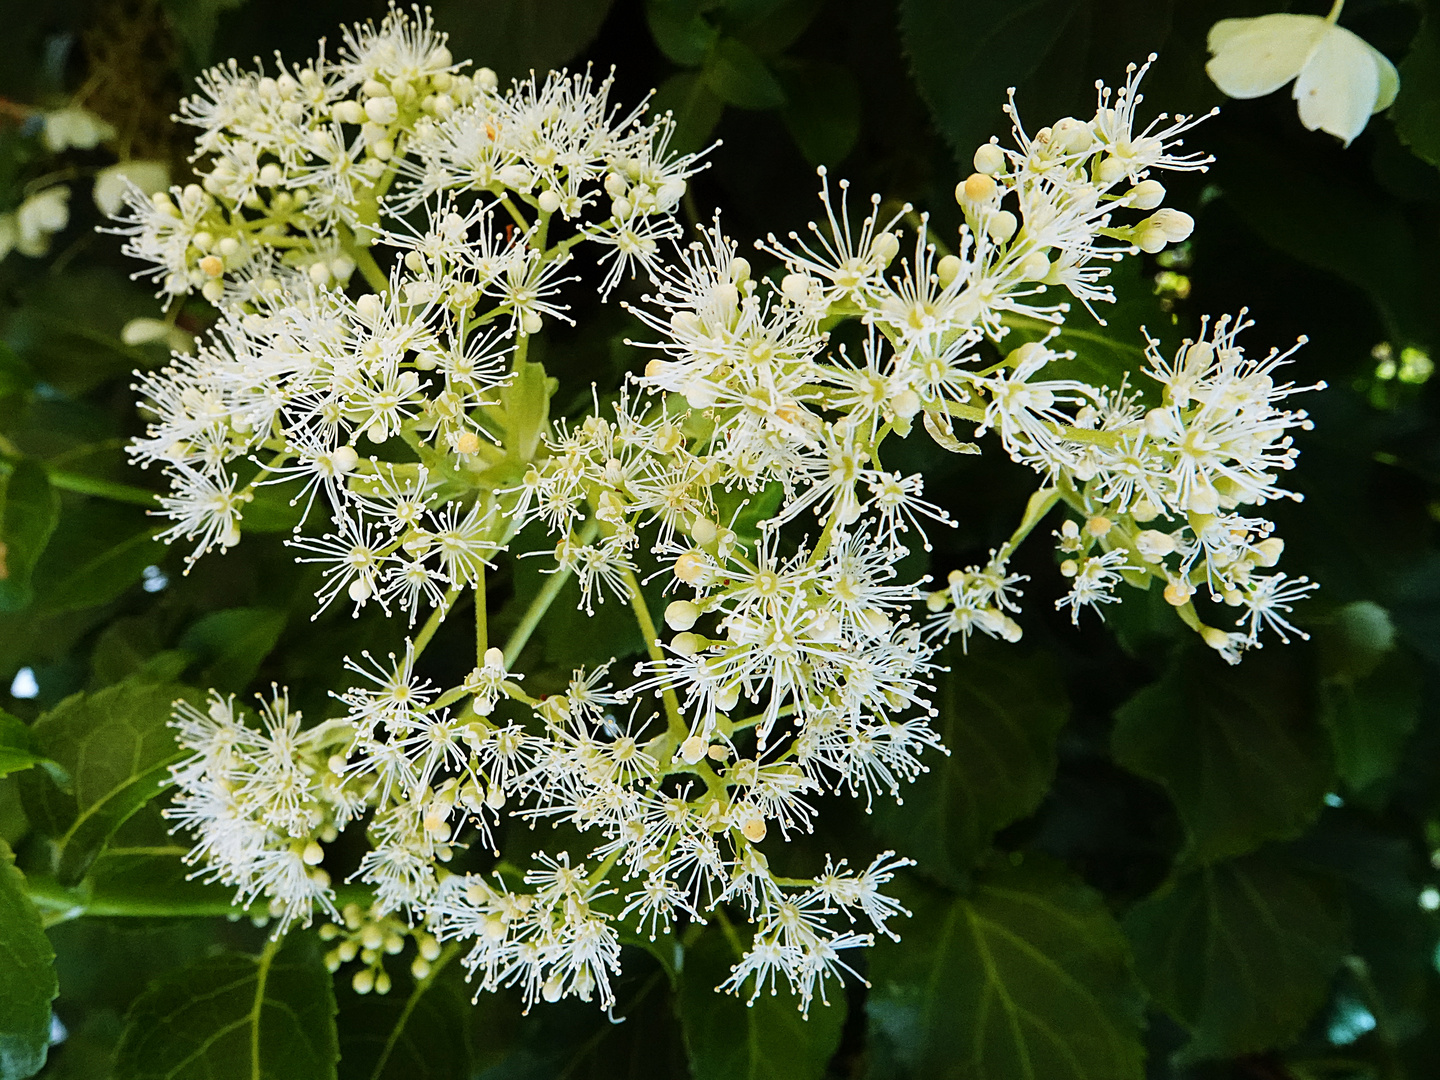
1135	862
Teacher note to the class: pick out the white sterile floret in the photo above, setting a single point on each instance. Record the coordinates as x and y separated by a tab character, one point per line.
1341	80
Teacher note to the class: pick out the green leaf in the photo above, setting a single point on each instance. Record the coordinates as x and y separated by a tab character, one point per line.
1024	977
85	567
236	1017
999	716
679	30
117	746
1106	353
15	375
231	645
515	37
28	985
195	22
696	109
425	1031
1416	111
1299	202
739	77
17	745
768	1040
822	110
1238	749
965	56
1370	719
1241	952
27	518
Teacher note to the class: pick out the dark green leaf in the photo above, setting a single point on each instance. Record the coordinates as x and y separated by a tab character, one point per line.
231	645
434	1033
1370	720
1238	749
195	21
1240	952
95	579
27	518
15	374
680	31
1025	977
999	715
728	1040
775	25
1301	204
1416	111
739	77
17	745
696	109
117	747
515	37
822	111
1105	354
235	1016
28	985
965	56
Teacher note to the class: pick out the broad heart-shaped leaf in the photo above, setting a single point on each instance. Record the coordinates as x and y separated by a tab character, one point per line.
236	1017
27	976
425	1031
1239	750
1051	50
117	746
1239	952
1026	976
231	644
28	513
1299	202
1416	111
516	37
999	715
768	1040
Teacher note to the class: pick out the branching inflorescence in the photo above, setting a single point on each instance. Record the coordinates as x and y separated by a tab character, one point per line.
408	422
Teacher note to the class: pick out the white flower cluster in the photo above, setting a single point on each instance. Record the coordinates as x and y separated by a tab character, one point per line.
413	427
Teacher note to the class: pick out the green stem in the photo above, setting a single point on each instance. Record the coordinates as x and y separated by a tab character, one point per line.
678	727
93	485
262	975
541	604
482	629
446	955
60	904
432	624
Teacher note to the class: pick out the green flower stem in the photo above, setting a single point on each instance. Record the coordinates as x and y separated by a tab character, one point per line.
482	628
91	485
678	727
541	604
432	624
397	1029
58	903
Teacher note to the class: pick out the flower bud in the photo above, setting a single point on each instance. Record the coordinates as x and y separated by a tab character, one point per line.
1147	195
681	615
1001	226
989	159
1071	136
977	187
692	749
